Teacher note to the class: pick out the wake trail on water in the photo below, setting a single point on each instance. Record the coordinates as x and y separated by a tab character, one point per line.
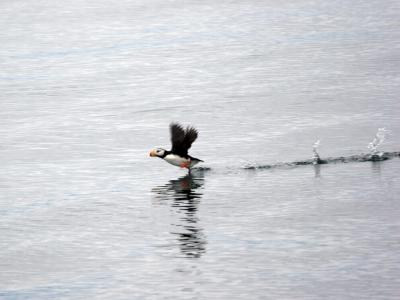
329	160
373	156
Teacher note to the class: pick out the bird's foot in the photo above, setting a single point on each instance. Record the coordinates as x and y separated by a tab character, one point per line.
185	165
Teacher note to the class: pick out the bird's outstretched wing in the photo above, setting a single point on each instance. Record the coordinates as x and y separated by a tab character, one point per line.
177	136
182	139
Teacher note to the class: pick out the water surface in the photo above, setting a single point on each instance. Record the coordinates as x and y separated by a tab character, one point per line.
90	87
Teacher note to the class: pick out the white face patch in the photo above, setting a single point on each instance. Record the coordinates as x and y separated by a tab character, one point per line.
159	152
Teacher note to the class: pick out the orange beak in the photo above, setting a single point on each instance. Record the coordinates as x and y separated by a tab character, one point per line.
152	153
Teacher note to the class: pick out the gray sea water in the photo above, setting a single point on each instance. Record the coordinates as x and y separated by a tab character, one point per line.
88	88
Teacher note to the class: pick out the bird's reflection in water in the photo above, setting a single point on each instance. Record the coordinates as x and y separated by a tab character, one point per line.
183	195
377	167
317	171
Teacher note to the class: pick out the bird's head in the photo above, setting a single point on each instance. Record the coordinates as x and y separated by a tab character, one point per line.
159	152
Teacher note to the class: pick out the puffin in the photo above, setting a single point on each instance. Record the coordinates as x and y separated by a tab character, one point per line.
181	140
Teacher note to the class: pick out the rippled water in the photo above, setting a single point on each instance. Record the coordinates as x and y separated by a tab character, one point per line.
90	87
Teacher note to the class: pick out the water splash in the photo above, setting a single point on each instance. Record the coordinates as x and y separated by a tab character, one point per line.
378	140
316	158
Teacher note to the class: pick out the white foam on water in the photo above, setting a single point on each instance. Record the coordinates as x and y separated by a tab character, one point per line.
378	140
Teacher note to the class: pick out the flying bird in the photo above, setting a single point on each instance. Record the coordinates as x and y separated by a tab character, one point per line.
181	140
